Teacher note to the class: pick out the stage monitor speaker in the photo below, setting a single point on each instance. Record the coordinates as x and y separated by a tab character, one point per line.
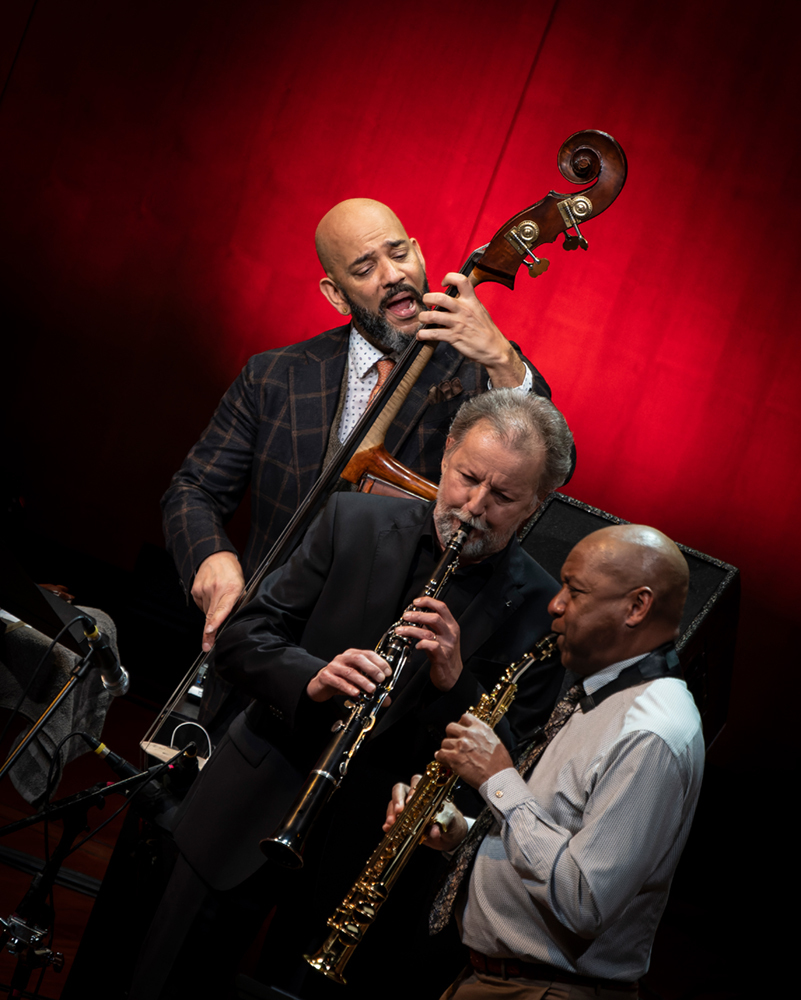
709	623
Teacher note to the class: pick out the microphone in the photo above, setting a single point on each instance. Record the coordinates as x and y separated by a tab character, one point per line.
119	765
156	801
115	677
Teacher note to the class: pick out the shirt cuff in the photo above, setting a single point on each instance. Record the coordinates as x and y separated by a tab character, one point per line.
504	791
525	386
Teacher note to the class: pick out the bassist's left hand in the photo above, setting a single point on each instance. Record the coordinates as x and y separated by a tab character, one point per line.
466	325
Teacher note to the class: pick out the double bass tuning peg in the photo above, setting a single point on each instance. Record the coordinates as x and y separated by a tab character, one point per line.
523	238
574	242
571	210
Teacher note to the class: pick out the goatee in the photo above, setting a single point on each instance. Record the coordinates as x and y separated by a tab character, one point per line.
482	542
377	328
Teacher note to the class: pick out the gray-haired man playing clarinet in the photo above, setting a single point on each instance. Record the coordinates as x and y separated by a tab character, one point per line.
305	642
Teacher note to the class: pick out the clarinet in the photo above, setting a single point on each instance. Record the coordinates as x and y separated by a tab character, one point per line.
285	845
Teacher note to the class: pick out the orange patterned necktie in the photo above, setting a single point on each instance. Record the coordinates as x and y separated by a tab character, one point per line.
384	366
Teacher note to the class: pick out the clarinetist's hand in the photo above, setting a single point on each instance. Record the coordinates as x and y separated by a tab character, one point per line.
449	828
437	632
473	751
349	673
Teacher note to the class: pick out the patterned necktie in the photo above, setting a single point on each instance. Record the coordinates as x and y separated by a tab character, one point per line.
465	854
384	366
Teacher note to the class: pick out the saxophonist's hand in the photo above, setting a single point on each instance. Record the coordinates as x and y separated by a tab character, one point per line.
449	828
437	632
473	751
349	673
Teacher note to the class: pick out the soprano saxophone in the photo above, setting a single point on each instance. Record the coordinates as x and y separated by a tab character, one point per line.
285	846
360	907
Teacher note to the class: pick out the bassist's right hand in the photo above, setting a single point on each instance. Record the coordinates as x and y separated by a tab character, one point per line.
218	583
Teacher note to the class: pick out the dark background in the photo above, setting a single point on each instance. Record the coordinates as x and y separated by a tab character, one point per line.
163	167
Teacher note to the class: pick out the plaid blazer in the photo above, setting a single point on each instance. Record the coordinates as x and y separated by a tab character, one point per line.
270	432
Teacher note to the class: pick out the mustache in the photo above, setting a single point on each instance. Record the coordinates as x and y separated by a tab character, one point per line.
396	289
477	523
483	540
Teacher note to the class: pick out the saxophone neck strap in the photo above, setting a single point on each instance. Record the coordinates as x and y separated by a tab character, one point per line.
662	662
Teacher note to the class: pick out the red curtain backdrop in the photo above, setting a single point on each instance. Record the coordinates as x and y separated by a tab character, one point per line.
164	167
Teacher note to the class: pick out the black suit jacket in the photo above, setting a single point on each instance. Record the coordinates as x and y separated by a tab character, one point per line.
342	589
270	432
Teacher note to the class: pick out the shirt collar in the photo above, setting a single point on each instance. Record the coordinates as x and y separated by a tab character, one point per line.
597	680
362	355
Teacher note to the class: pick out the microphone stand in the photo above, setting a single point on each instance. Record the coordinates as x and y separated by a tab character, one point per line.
25	929
79	671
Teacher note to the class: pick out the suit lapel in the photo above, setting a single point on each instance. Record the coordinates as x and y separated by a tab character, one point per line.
443	365
313	388
496	602
394	549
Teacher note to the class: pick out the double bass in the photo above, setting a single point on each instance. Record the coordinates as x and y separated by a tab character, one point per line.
588	157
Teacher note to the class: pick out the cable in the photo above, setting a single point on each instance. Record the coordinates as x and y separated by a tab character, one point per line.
197	725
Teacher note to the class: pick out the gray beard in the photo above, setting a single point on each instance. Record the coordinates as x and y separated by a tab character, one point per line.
377	328
481	543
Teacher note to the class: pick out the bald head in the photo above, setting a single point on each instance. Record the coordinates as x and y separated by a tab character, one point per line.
374	272
623	594
638	556
347	225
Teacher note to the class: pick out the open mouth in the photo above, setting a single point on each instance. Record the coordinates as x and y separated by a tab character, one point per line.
402	303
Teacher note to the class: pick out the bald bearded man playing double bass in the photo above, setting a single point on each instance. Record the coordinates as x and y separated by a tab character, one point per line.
290	406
